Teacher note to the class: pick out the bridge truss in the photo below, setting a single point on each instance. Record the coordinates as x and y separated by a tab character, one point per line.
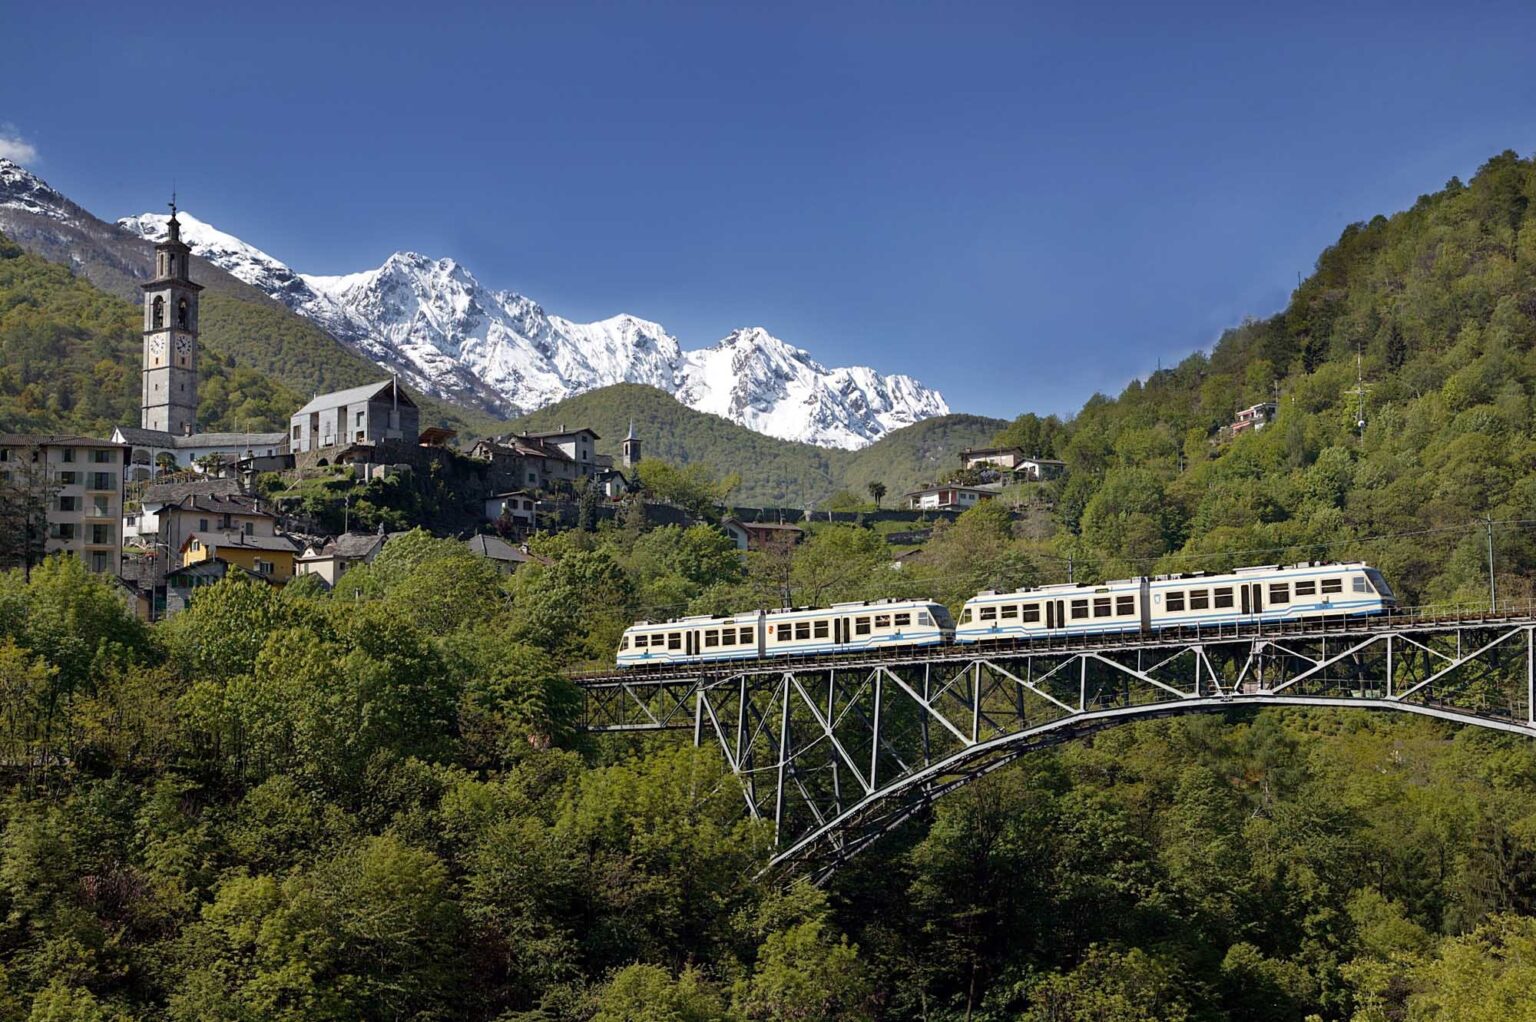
837	752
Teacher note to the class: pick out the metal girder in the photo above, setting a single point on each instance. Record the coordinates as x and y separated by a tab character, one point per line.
839	751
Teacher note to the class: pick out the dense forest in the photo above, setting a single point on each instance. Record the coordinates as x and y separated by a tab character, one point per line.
375	803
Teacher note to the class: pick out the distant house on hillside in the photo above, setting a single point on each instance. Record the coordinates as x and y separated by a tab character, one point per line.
761	535
359	415
1011	461
948	497
335	557
1254	417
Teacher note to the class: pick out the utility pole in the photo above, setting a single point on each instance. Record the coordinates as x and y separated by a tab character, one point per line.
1493	591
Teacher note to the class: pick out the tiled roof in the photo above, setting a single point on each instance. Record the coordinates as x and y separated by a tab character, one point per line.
236	540
353	395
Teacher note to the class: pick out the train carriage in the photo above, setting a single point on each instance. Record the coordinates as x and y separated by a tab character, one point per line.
1272	593
804	631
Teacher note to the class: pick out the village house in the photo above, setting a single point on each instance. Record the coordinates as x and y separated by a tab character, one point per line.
1254	417
333	558
73	487
762	535
507	557
1012	462
271	557
948	497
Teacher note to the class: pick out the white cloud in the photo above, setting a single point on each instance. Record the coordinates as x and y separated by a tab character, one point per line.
15	148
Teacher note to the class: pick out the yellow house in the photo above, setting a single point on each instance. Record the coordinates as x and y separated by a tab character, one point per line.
271	556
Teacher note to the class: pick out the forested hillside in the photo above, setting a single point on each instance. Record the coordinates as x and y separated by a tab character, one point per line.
1439	304
773	472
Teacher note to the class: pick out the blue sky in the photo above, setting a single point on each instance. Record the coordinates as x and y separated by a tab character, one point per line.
1019	204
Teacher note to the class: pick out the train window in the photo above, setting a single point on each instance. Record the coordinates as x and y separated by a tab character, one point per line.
745	636
1279	592
989	613
1199	599
1009	610
1031	612
624	642
727	636
820	629
882	620
923	618
802	629
965	616
1306	588
1358	584
675	640
1175	601
785	632
1333	585
1101	606
902	620
712	638
1125	604
1079	608
1222	597
640	642
861	626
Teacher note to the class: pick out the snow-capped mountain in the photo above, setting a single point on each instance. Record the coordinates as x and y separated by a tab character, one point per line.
448	334
21	191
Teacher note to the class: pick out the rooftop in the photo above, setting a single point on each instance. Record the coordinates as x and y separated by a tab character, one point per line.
354	395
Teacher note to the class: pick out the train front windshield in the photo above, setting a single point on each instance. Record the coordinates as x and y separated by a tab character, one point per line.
941	615
1379	584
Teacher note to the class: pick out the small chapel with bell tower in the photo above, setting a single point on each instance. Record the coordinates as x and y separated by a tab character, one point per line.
170	338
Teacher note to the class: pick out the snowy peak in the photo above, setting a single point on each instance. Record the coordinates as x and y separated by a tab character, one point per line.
23	190
450	335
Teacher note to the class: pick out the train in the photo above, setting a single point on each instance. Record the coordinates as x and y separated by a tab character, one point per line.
1149	606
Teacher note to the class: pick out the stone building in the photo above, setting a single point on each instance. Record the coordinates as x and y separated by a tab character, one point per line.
365	415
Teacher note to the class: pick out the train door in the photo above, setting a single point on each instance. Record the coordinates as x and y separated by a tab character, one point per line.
691	643
1050	615
1257	598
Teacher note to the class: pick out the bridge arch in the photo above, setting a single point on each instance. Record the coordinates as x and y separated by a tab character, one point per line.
837	752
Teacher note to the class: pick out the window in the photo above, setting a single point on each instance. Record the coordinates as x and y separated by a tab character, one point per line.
202	525
1199	599
674	640
965	616
263	567
1175	601
882	620
745	635
102	457
359	418
861	626
1008	610
802	629
1031	612
1357	584
69	478
820	630
1306	588
64	531
102	480
989	613
68	456
923	618
623	644
1222	596
785	632
727	636
250	528
641	641
902	619
1333	585
1079	609
297	432
69	503
1101	605
99	561
1279	592
1125	605
712	637
101	534
195	545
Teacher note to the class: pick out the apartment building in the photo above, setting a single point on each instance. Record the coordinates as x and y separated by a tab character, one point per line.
63	494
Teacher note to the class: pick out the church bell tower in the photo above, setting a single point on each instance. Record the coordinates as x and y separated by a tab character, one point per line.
170	338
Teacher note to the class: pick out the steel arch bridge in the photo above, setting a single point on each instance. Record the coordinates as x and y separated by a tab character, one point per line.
838	751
